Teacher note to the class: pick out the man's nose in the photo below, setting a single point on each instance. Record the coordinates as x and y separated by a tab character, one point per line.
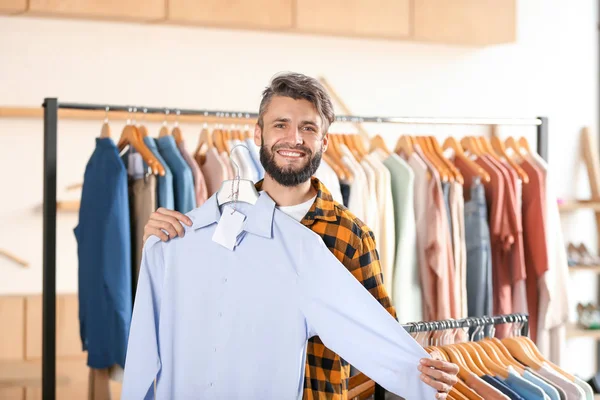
294	135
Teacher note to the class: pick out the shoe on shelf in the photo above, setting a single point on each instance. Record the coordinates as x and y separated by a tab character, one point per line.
573	255
588	316
586	257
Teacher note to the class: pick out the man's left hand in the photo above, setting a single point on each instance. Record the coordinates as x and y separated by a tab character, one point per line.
440	375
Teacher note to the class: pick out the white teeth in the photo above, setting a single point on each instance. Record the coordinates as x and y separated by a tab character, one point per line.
290	154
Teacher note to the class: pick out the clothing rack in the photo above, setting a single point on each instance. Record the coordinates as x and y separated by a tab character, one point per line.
51	107
470	322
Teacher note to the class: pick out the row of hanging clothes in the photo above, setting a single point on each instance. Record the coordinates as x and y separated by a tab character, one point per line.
475	228
463	227
492	368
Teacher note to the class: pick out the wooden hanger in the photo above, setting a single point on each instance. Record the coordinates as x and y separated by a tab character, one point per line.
521	353
334	165
105	131
142	130
498	146
524	144
359	143
377	142
335	153
441	169
440	154
538	355
177	135
404	145
452	143
511	143
470	145
23	263
492	365
218	140
131	136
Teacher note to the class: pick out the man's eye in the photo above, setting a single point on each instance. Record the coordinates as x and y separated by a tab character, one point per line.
279	126
309	128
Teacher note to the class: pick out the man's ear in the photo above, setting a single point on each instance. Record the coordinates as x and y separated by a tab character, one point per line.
325	141
257	135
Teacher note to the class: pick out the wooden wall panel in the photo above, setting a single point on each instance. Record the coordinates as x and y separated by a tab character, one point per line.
266	14
12	333
68	341
12	7
468	22
130	10
12	394
367	18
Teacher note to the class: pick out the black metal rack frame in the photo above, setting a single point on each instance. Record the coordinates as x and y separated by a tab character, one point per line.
51	107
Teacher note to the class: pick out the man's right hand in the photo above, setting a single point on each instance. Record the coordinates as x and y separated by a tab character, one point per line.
163	220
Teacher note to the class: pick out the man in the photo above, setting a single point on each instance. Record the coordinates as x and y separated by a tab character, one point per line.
294	116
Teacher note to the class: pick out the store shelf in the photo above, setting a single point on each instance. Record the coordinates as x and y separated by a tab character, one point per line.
574	205
574	331
589	268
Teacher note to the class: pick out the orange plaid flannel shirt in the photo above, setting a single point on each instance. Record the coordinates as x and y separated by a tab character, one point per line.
351	242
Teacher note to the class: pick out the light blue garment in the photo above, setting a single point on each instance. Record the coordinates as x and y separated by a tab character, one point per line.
479	254
218	324
164	185
524	388
254	152
104	253
183	179
549	390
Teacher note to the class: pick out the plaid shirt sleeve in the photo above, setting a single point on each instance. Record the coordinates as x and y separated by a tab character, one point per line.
366	269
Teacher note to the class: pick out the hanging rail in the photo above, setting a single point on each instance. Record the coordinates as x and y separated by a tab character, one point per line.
469	322
122	112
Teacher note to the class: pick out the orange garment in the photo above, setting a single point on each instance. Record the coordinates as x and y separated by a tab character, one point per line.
534	235
500	235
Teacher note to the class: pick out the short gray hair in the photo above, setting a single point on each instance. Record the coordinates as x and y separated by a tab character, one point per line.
298	86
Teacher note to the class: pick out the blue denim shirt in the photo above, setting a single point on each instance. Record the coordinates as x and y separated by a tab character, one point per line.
104	253
183	179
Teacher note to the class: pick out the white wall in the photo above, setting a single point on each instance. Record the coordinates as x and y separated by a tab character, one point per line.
550	71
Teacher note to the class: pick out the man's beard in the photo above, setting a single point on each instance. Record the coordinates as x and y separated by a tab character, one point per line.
288	176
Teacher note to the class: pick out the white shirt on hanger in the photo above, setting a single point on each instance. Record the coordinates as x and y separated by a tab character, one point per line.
329	178
359	195
386	242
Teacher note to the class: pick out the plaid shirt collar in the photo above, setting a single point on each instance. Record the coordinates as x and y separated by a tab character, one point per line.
322	209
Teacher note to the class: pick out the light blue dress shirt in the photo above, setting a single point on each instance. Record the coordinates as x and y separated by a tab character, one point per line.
211	323
524	388
164	188
549	390
183	179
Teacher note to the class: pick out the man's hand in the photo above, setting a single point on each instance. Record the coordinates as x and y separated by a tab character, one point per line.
166	220
440	375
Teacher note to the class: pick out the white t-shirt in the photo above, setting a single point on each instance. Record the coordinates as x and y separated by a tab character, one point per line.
299	210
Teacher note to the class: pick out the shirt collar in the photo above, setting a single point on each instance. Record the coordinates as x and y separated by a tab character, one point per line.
259	217
322	209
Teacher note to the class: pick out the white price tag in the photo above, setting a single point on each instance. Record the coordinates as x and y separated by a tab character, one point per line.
229	228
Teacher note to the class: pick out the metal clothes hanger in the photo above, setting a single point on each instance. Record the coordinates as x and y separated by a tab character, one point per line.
235	190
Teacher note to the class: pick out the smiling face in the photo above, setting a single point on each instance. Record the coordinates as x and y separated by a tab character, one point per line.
292	140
